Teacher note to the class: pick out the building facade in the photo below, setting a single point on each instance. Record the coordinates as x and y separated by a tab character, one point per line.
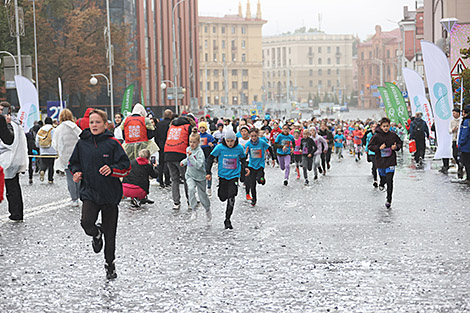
299	66
412	32
154	43
230	58
378	61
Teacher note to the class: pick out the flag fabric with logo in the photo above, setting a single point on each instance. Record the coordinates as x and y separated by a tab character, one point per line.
417	95
29	102
399	103
437	72
389	108
126	107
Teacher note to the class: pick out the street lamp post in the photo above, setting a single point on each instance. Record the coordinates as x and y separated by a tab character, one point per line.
175	92
449	24
18	41
175	65
110	58
94	81
14	60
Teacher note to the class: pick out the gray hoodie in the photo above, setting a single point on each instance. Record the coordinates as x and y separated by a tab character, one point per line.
195	164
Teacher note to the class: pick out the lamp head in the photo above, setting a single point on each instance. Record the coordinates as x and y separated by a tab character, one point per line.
93	80
163	86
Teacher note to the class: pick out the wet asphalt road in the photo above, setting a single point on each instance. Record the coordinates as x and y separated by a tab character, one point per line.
328	247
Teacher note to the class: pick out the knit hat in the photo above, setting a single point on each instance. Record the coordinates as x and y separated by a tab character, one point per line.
230	135
245	127
139	109
203	124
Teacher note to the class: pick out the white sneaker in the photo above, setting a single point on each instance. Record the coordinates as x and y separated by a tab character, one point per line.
74	203
208	216
176	206
209	192
194	215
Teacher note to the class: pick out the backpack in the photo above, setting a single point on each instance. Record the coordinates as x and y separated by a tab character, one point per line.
45	138
419	130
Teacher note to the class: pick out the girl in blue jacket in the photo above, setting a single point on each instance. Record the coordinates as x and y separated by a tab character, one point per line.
464	141
98	162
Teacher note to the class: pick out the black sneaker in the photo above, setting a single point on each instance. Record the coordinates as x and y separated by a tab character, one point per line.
388	205
381	188
320	170
375	184
228	224
147	200
135	203
97	243
253	202
110	271
328	165
285	182
262	180
306	182
316	177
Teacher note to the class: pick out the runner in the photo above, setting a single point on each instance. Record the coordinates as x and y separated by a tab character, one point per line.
297	152
339	143
284	143
308	150
371	154
322	146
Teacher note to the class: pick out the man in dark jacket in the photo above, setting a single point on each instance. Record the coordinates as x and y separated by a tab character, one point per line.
419	131
175	151
161	131
464	141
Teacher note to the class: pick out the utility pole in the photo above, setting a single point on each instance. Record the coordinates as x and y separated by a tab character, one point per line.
18	41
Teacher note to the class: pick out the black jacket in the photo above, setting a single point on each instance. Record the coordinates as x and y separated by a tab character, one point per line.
6	133
328	135
161	131
175	156
389	139
140	172
310	144
90	154
419	130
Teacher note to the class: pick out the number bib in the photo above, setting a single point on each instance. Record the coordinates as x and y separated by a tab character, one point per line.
230	164
255	153
385	153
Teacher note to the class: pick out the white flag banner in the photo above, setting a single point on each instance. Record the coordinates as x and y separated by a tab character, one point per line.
29	102
417	95
437	72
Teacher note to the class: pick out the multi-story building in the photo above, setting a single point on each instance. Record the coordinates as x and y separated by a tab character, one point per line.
378	61
299	66
230	58
412	32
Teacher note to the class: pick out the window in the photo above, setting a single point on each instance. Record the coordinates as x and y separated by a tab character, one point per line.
362	55
233	57
269	84
337	50
244	85
388	54
370	54
223	57
245	73
208	86
370	70
268	74
329	71
233	45
329	60
362	71
337	60
319	49
234	85
234	72
216	85
234	100
243	44
255	98
223	44
208	99
208	73
243	30
328	49
310	83
223	29
337	83
215	57
310	50
319	61
310	73
214	29
216	72
320	72
216	100
310	61
320	83
206	29
234	29
206	43
337	71
388	70
329	83
243	57
206	57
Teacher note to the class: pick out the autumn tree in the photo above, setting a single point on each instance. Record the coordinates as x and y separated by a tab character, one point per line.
465	75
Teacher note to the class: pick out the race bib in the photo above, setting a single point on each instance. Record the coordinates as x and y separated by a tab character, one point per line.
229	164
385	153
256	153
204	141
286	142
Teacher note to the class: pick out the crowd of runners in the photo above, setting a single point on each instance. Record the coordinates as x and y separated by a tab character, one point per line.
108	161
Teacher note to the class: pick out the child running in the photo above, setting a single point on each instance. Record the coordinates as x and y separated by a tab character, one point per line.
297	152
339	143
357	139
371	154
195	176
322	145
284	142
308	150
385	144
99	161
256	149
232	160
207	144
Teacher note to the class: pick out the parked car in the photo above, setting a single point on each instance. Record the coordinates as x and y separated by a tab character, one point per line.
316	112
344	109
336	108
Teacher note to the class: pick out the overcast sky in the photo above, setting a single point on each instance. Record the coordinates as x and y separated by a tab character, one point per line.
338	16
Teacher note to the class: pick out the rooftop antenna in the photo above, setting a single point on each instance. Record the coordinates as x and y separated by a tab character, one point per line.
319	21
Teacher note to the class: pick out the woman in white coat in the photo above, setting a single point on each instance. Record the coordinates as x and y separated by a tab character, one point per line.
65	137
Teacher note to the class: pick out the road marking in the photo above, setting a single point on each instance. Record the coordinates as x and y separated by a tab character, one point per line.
39	209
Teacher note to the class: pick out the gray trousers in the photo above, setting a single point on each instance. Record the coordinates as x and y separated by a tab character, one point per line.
316	163
74	188
200	186
177	173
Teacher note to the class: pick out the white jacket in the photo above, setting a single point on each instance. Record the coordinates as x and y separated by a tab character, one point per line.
14	157
64	140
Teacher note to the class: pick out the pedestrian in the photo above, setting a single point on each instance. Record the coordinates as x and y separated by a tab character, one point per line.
32	150
385	144
136	185
98	162
13	160
308	149
454	130
66	136
464	142
231	162
284	143
161	133
84	122
207	144
219	134
175	151
326	156
357	139
48	154
297	153
322	146
256	150
195	163
419	131
118	117
371	154
339	143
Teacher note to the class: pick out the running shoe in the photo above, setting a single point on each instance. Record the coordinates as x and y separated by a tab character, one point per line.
388	205
193	215
41	175
262	180
375	184
228	224
248	197
176	206
285	182
30	181
97	243
147	200
74	203
110	271
320	170
253	202
316	177
328	165
381	188
306	182
209	192
136	203
208	216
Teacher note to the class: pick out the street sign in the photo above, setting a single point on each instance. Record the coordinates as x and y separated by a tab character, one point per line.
53	109
458	68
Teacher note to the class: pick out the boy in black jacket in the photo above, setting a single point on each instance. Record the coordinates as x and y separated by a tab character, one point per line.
308	149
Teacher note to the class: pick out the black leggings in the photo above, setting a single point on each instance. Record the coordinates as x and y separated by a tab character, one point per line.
388	179
465	159
307	164
47	164
228	190
254	178
14	197
374	166
109	217
325	158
